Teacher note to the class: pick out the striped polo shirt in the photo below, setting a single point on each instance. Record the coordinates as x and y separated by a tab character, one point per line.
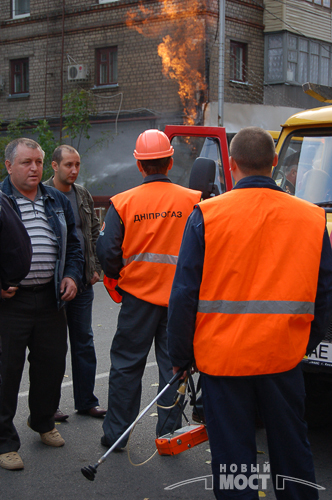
43	240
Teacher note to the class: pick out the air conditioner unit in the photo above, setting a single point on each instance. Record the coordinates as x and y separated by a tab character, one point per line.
77	72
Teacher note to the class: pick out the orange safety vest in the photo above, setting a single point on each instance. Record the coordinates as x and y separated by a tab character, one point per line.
154	215
259	282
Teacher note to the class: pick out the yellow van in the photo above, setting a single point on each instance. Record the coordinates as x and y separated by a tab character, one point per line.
305	170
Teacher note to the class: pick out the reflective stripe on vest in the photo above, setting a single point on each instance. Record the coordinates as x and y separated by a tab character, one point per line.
152	257
154	216
255	307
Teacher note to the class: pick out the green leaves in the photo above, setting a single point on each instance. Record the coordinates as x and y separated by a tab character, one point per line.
78	106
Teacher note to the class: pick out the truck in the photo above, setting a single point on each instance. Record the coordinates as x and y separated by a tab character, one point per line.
304	169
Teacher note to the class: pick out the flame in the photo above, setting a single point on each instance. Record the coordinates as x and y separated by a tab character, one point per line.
182	48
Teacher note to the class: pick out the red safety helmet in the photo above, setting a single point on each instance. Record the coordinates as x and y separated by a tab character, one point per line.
153	144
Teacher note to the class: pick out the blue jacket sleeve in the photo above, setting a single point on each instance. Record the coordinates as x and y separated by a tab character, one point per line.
183	302
323	303
109	244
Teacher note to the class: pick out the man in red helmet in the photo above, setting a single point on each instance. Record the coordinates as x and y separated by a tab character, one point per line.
139	246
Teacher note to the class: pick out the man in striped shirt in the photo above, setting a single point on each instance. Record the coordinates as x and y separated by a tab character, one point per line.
32	314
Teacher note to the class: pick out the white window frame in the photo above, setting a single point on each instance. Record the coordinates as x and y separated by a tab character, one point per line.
108	1
19	16
292	54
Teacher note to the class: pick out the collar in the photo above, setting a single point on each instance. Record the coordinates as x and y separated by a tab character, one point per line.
17	194
51	183
257	181
156	177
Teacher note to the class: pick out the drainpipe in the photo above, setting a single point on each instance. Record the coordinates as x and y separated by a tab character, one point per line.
221	62
61	68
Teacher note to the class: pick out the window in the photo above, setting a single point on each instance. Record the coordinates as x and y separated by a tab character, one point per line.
110	1
275	57
238	53
107	66
19	76
307	60
324	3
21	8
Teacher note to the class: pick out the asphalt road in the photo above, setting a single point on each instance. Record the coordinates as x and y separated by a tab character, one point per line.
55	473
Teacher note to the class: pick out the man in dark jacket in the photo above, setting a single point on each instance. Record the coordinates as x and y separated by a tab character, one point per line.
15	248
66	165
252	294
32	315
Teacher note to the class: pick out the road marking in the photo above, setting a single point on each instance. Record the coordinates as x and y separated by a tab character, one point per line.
68	384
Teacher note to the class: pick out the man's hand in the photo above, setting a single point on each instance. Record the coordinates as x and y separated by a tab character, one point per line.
68	289
9	293
193	370
94	278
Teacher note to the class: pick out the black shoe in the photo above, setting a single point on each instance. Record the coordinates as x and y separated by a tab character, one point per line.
95	411
59	416
198	415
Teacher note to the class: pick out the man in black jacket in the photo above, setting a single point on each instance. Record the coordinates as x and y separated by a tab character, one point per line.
15	248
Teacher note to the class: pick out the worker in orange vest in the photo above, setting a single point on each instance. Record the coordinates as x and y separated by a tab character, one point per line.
139	245
252	294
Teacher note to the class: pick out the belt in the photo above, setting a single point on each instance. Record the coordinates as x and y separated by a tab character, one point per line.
36	288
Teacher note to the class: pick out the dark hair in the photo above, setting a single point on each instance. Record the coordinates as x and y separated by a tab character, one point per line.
253	150
57	153
291	161
158	166
11	148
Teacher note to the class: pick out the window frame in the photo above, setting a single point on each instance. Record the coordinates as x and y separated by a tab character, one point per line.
235	45
294	57
23	71
111	79
18	16
320	3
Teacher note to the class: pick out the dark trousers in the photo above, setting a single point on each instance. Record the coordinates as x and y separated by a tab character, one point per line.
230	406
31	320
82	349
139	323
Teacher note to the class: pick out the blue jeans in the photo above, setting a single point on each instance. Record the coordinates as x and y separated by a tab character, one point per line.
83	356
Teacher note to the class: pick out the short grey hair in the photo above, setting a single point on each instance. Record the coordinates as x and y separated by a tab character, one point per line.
11	148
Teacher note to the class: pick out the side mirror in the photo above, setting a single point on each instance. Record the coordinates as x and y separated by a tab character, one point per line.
202	177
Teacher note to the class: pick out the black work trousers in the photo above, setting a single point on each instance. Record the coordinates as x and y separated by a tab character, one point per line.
230	405
139	324
31	320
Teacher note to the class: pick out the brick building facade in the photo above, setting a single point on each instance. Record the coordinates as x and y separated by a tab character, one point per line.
44	38
145	64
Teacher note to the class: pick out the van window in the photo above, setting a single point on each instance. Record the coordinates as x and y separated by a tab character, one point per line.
186	150
305	166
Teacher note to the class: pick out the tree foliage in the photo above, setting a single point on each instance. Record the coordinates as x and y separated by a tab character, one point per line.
78	108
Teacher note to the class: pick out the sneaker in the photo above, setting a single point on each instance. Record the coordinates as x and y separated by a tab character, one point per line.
52	438
11	461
